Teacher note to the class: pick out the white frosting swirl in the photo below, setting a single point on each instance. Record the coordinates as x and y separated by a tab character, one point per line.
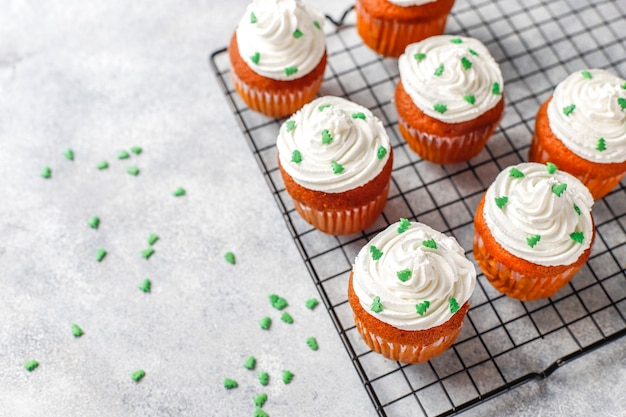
452	71
355	145
408	3
436	276
533	208
599	98
275	35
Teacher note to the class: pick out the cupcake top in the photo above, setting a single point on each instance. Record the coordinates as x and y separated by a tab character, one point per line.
408	3
588	114
413	277
333	145
451	78
281	39
540	214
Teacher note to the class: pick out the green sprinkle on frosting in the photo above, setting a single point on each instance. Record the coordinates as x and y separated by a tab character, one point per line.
94	222
601	146
324	106
136	150
454	305
102	165
577	210
152	238
230	257
296	156
250	362
260	399
256	57
286	317
440	108
358	115
577	237
377	307
419	57
558	189
290	71
77	331
252	18
147	253
404	225
140	373
470	98
495	89
265	323
312	343
46	172
287	376
264	378
586	74
473	52
533	240
69	154
382	151
230	383
430	243
422	307
337	167
516	173
277	302
501	201
311	303
376	253
326	137
567	110
258	412
133	170
439	70
123	155
290	125
145	285
31	365
551	168
466	63
624	86
622	102
404	275
317	24
179	192
100	254
297	34
456	40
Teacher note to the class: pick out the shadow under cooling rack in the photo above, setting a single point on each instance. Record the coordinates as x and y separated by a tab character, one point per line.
504	342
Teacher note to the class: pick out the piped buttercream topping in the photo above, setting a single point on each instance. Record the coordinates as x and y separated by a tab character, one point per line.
408	3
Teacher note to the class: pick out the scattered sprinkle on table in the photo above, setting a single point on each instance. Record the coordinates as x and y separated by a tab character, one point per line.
102	165
137	375
260	399
133	170
94	222
136	150
258	412
77	331
230	383
31	365
250	362
287	376
311	303
230	258
69	154
264	378
46	172
123	155
147	253
265	323
312	342
100	254
179	192
152	239
145	285
286	317
277	302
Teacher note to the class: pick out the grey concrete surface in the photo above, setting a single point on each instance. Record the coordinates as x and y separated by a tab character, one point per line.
101	77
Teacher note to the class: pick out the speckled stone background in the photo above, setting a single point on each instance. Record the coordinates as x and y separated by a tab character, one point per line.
100	77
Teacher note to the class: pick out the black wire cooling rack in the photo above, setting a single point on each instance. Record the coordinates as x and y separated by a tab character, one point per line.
504	342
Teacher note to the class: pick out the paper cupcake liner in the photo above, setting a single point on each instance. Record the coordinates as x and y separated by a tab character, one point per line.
520	286
276	103
414	353
389	37
343	222
598	184
445	149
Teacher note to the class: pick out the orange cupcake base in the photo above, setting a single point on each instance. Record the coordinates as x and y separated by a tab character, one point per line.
387	28
273	98
546	147
404	345
514	276
440	142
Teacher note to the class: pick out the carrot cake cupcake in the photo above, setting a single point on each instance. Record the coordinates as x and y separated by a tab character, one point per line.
335	159
582	129
533	230
449	98
278	56
409	290
388	26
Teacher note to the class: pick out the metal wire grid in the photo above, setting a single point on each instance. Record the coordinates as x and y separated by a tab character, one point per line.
504	343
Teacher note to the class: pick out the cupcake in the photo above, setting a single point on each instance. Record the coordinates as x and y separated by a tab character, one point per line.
388	26
449	98
409	290
278	56
533	230
582	129
335	160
